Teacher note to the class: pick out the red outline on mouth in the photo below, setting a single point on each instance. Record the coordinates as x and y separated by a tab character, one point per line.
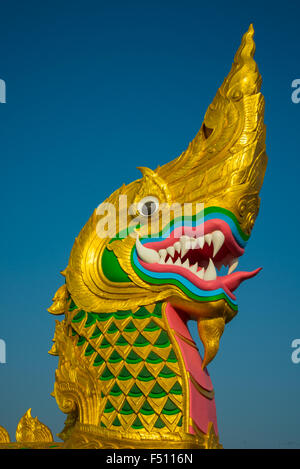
228	283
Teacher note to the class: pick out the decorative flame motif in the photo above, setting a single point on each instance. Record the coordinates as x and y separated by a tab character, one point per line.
31	430
4	436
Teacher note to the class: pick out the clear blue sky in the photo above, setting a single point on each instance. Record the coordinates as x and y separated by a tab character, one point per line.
95	89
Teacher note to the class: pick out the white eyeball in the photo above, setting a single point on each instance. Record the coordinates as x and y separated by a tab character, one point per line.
148	206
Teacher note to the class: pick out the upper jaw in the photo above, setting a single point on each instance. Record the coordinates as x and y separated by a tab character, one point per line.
197	253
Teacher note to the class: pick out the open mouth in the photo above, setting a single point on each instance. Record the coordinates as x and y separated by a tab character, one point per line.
207	256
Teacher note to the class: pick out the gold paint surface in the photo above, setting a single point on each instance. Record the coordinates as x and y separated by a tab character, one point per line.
4	436
224	166
31	430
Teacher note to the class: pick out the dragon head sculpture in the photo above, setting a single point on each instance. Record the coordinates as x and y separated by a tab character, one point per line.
169	241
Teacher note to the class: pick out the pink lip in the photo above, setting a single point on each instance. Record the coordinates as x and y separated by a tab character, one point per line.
228	283
206	227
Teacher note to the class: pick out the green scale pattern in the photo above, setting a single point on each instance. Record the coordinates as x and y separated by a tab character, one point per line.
134	359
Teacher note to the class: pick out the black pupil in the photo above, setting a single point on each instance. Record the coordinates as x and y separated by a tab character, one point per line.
148	208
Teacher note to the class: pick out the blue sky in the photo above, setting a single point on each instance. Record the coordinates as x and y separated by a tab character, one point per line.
95	89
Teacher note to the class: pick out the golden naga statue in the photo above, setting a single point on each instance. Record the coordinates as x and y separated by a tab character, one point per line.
130	374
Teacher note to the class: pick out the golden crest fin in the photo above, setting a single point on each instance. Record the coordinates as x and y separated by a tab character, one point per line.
59	301
226	161
31	430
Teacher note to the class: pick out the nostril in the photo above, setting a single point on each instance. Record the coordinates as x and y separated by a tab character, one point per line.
207	131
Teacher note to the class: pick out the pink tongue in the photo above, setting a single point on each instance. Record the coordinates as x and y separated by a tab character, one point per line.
232	281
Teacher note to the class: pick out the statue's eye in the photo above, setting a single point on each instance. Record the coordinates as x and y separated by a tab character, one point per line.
148	206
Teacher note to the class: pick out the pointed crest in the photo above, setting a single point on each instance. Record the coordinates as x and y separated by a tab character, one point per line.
227	156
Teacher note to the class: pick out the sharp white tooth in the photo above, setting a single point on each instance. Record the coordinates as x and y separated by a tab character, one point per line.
233	265
193	243
184	250
200	242
194	268
171	251
146	254
185	245
210	273
218	240
186	264
178	262
169	261
200	273
208	238
163	254
177	246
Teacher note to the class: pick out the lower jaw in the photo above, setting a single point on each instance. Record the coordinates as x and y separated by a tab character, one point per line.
205	309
